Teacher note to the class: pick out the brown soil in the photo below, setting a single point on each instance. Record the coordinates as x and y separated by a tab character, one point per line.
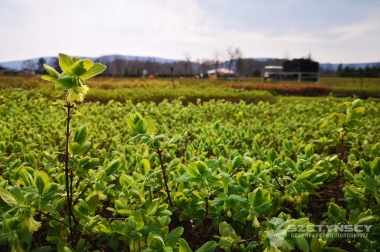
194	237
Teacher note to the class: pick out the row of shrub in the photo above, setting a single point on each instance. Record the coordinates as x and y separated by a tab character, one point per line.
284	89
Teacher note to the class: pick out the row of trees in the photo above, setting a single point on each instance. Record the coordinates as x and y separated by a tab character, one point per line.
368	71
232	59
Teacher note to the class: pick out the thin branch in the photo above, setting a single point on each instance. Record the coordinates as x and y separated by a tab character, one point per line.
237	169
62	222
93	244
255	238
206	207
282	189
159	152
244	228
68	188
80	195
340	155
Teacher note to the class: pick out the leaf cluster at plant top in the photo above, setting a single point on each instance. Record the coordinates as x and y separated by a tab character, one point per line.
75	72
235	172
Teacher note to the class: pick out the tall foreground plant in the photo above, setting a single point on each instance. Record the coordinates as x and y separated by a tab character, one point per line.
71	81
36	196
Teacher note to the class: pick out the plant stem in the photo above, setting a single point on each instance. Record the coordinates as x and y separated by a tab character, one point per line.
71	228
150	193
245	226
68	188
340	155
159	152
279	185
206	207
62	222
236	171
255	238
80	195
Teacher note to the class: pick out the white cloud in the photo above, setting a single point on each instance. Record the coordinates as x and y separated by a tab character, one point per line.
168	28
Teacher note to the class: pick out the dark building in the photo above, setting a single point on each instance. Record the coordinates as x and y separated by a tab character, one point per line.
300	70
300	65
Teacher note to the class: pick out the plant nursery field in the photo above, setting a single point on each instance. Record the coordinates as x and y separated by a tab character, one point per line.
251	90
202	176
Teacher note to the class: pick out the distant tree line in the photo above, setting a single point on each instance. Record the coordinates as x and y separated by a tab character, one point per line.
368	72
232	60
372	71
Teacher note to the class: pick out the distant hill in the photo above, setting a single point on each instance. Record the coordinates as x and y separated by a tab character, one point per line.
17	65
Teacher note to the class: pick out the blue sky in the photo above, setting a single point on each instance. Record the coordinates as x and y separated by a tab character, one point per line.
334	31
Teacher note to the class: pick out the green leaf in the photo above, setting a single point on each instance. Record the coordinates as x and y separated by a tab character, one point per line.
49	78
51	71
80	135
150	126
155	242
144	166
236	162
315	246
309	150
75	59
370	183
16	192
90	164
241	215
354	123
76	149
334	210
302	243
133	120
207	247
354	217
355	113
192	169
113	167
340	116
197	169
130	225
41	179
152	207
65	62
77	69
83	207
272	155
139	219
30	197
375	166
357	103
259	197
366	220
290	163
186	177
8	197
92	203
237	199
172	238
365	166
96	69
64	83
85	63
81	245
305	175
184	246
348	175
